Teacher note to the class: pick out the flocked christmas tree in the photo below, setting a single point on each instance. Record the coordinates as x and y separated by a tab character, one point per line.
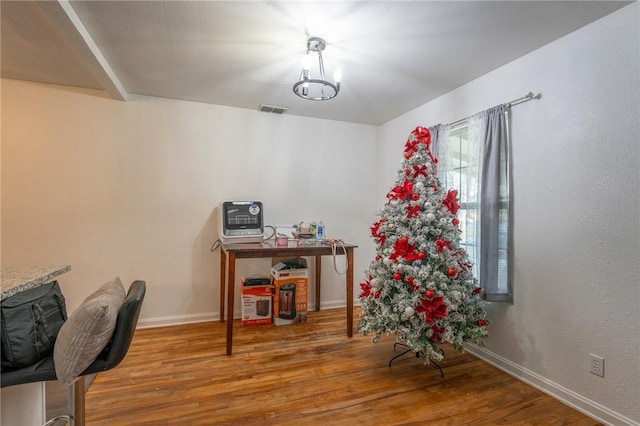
420	285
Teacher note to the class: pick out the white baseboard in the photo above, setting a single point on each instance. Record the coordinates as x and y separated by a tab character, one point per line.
178	320
333	304
567	396
214	316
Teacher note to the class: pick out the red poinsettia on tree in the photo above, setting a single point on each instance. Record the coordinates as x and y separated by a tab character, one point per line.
420	285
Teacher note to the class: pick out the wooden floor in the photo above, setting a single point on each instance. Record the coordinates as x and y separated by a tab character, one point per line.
306	374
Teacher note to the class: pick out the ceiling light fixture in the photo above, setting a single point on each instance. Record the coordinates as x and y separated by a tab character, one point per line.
316	89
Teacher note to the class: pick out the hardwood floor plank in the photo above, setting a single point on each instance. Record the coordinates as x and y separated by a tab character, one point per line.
306	374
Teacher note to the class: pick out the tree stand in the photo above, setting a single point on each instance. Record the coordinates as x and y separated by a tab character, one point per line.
406	349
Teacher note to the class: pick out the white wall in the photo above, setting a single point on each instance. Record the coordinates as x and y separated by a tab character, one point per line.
129	189
576	157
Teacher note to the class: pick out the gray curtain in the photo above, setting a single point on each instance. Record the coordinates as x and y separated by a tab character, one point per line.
434	131
496	242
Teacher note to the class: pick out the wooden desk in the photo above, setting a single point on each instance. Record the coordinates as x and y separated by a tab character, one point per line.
269	249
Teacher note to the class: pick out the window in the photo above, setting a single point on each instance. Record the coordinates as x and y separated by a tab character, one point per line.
460	171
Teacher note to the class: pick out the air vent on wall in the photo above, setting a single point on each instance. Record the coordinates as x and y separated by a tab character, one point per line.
273	109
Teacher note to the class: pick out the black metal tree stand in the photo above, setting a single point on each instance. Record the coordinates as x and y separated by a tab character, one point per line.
406	349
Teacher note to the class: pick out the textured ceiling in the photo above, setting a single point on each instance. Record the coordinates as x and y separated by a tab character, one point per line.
394	55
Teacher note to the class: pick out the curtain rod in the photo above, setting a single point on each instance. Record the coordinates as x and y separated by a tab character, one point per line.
529	96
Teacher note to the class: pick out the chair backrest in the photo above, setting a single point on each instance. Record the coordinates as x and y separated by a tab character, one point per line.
126	324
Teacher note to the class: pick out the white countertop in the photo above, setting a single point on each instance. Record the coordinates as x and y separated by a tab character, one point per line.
15	280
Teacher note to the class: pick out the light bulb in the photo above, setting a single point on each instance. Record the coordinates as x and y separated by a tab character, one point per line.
337	75
306	62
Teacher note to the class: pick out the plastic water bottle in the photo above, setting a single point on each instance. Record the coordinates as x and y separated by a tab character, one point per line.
320	234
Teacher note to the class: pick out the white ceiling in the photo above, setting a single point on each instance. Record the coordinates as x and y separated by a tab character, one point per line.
395	55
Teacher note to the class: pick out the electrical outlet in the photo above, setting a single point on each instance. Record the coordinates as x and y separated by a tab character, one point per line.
597	365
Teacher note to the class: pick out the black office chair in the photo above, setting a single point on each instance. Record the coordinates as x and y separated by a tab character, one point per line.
109	358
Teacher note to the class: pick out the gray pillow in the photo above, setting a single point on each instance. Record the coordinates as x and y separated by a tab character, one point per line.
87	331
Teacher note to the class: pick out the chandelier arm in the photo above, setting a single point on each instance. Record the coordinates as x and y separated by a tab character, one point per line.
321	65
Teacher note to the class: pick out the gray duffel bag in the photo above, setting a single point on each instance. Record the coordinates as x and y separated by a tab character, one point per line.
31	320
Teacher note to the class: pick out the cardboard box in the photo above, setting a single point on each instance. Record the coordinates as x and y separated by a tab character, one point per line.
256	301
290	288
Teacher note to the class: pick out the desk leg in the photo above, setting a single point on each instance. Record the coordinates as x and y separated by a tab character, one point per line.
349	292
223	281
318	277
230	290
